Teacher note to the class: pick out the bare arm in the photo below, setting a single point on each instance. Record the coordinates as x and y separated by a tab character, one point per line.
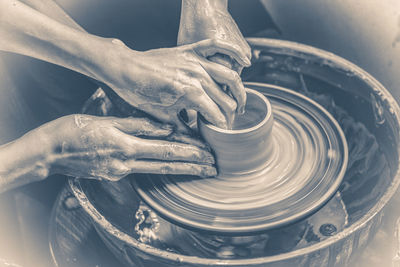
29	32
140	78
101	148
24	161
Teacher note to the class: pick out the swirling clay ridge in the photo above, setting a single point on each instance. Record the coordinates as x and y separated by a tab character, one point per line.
304	169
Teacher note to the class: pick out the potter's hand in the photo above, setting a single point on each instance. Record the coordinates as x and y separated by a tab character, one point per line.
111	148
164	81
159	82
210	19
101	148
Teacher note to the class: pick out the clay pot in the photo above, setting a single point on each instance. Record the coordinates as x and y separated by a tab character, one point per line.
295	66
245	147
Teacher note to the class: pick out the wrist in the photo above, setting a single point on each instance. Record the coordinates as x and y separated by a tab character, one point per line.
54	138
24	160
41	151
111	57
208	5
97	56
202	11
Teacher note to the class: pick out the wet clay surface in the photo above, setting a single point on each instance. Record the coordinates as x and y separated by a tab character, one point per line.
122	207
254	113
301	171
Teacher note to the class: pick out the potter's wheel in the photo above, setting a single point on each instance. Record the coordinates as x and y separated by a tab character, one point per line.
302	172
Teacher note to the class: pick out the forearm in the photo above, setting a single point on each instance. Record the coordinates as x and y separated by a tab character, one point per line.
202	14
205	4
26	31
24	160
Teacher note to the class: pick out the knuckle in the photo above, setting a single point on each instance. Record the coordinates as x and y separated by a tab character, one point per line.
118	169
193	86
166	169
191	151
199	100
167	154
130	149
214	42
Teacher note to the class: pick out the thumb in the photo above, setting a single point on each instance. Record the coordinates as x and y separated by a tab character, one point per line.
211	47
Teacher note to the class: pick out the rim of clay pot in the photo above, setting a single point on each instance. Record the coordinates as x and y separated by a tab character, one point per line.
309	52
187	220
267	117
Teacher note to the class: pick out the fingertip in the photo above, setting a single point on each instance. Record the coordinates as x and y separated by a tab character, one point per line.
247	62
248	52
234	51
241	57
243	100
208	157
241	105
151	128
209	171
160	132
241	110
221	121
167	127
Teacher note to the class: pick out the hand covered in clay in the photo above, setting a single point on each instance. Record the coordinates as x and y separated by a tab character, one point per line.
111	148
101	148
107	148
164	81
160	82
210	19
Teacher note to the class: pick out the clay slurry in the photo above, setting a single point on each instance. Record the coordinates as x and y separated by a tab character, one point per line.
254	113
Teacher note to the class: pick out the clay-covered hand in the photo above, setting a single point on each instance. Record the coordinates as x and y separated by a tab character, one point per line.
164	81
210	19
111	148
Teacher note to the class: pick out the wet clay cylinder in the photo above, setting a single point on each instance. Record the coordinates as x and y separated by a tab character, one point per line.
284	158
244	148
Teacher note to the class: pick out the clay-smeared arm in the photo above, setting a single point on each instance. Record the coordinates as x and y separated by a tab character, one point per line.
26	31
100	148
160	82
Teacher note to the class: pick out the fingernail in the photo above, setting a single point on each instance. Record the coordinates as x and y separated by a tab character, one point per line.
208	158
247	62
167	127
241	110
